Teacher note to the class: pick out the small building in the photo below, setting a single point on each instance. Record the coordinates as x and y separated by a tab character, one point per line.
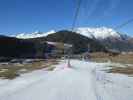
57	49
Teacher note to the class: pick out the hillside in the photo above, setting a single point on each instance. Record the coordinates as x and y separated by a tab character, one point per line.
80	43
18	48
120	45
108	37
30	48
12	47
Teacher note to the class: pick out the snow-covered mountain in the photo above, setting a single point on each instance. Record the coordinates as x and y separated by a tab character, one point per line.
97	33
34	35
108	37
100	33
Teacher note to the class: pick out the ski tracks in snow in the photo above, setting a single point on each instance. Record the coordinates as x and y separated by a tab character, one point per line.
62	84
84	81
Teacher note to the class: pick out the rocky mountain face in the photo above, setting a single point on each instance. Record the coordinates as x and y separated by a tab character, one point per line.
110	38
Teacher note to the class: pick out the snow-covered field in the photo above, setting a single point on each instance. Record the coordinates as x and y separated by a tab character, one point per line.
84	81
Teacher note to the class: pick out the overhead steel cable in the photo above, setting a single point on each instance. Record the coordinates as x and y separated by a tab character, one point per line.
124	24
75	20
73	26
76	14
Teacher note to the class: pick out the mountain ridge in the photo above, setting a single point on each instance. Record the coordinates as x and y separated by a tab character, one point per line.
93	33
108	37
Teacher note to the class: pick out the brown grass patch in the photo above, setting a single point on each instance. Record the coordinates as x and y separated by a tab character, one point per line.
104	57
121	70
12	70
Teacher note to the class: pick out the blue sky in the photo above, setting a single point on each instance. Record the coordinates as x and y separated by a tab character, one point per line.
18	16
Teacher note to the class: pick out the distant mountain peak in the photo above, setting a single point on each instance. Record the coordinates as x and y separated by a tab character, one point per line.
35	34
99	33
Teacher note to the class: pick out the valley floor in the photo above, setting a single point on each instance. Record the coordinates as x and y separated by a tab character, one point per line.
84	81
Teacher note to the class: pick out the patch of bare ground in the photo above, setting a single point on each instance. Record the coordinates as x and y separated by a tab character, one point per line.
12	70
122	70
123	59
104	57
